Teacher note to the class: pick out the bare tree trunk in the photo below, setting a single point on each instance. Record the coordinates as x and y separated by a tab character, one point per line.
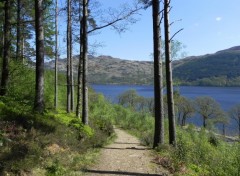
79	85
18	29
71	71
2	41
39	89
204	122
85	63
79	81
6	50
69	57
184	120
169	82
224	130
158	84
56	56
239	128
23	49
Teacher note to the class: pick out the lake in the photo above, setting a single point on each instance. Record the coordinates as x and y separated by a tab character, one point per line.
227	97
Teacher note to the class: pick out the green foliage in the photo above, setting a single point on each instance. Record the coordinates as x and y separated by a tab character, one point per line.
210	110
26	137
56	169
198	152
140	124
202	153
21	84
219	69
177	50
29	136
130	99
84	130
234	114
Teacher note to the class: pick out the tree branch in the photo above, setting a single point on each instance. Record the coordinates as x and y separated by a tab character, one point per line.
175	22
175	34
116	20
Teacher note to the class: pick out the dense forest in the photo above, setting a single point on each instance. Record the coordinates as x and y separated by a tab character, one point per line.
53	123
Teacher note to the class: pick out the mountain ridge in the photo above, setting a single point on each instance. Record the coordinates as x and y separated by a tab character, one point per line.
221	68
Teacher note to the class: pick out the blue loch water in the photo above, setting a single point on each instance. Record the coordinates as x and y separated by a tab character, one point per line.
227	97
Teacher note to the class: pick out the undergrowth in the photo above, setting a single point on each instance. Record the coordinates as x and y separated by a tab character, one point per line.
197	152
52	143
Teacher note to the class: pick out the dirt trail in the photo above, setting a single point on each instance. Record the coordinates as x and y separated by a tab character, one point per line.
126	156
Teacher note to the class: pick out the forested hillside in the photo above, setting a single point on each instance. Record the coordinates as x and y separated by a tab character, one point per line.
218	69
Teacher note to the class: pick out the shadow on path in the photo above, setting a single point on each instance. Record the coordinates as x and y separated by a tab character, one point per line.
128	143
127	148
120	173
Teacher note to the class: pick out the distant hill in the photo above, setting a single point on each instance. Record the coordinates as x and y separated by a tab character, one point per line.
219	69
109	70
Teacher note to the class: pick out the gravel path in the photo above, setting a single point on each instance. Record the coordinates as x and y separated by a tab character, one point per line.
126	156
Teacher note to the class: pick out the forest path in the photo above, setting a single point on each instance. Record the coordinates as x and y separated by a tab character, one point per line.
125	156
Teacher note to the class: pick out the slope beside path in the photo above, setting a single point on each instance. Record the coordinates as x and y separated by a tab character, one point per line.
126	156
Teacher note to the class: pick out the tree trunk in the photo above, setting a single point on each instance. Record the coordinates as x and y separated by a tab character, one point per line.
39	89
184	120
79	81
179	119
239	128
79	85
71	72
169	82
204	122
23	48
56	57
158	84
224	130
2	41
85	63
6	50
69	57
18	29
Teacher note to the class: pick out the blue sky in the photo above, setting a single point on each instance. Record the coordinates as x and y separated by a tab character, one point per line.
209	26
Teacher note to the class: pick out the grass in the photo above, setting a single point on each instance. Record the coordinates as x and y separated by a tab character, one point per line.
52	143
49	143
197	152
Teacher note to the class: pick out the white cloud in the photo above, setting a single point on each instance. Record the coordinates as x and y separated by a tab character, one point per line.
218	18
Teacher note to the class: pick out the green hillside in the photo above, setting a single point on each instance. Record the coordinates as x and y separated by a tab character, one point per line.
219	69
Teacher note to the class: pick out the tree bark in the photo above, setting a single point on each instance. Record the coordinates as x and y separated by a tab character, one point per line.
158	84
79	85
79	81
169	82
71	71
2	41
69	57
85	63
23	48
6	50
56	57
204	122
18	29
39	89
183	120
